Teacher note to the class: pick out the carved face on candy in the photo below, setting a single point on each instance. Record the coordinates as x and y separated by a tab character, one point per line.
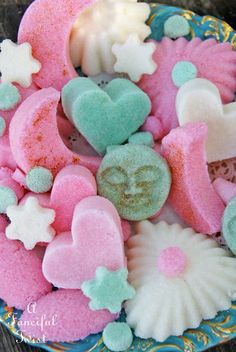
135	179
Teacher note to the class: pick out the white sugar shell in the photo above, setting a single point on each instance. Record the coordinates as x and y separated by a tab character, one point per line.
99	27
168	306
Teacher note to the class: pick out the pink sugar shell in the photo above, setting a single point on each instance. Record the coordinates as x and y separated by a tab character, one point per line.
19	177
46	25
192	194
225	189
34	136
214	61
71	185
96	240
70	316
6	157
21	278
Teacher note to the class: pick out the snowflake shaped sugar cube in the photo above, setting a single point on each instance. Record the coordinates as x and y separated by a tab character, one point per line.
30	223
134	57
17	63
108	290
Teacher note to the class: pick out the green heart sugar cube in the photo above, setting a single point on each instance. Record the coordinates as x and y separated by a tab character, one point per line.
105	116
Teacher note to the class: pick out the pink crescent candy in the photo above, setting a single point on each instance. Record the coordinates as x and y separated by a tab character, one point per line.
71	185
192	194
70	316
6	157
96	240
225	189
46	25
34	136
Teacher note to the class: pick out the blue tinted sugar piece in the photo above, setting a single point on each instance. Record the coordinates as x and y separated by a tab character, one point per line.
39	179
117	336
229	225
183	72
2	126
7	197
142	138
9	96
176	26
136	179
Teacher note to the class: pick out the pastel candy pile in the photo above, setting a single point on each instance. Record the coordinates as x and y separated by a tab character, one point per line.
192	195
87	155
220	119
105	116
213	61
21	278
95	240
70	317
135	179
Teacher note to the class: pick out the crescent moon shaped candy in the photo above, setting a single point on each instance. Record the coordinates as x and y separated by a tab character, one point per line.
34	136
46	25
192	195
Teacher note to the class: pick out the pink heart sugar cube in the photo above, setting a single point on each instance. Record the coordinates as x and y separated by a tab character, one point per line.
96	240
71	185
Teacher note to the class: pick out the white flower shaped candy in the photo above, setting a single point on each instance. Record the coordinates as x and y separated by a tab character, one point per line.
102	25
17	63
180	278
30	223
134	57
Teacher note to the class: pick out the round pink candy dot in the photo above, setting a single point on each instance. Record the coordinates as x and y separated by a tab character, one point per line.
153	125
172	262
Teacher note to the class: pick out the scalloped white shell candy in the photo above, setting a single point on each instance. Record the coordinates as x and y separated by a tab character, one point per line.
165	306
102	25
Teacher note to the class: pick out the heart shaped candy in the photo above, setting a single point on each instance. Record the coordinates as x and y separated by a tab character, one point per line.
96	240
199	101
71	185
105	116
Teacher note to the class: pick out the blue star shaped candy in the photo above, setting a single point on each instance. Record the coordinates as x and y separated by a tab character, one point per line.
108	290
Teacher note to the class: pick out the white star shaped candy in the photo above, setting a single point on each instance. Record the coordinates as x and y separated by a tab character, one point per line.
30	223
17	63
134	58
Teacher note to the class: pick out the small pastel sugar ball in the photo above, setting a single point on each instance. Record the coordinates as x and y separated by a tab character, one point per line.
172	262
117	336
142	138
183	72
39	180
2	126
7	197
176	26
9	96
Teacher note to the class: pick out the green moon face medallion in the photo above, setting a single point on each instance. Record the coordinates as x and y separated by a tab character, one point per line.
135	179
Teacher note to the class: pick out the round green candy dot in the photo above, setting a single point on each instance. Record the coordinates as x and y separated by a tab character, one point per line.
117	336
142	138
2	126
176	26
7	197
183	72
9	96
39	180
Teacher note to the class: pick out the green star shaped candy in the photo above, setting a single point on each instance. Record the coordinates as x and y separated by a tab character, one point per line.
108	290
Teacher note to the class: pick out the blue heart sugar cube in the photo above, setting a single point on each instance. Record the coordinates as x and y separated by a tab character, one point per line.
105	116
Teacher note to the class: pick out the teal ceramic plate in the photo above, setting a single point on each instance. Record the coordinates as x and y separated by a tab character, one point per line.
210	333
